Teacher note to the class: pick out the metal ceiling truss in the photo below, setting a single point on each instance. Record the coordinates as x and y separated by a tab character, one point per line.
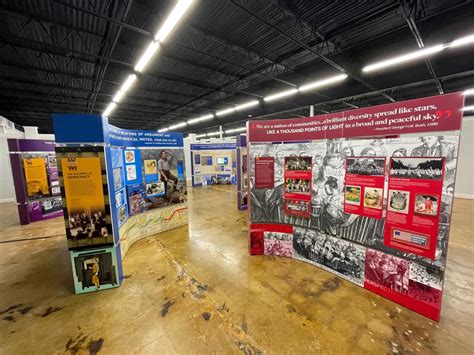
347	67
408	15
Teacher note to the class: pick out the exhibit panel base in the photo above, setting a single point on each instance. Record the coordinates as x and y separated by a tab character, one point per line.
365	194
151	223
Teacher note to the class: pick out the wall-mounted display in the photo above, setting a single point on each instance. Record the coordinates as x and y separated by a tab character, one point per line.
365	194
35	177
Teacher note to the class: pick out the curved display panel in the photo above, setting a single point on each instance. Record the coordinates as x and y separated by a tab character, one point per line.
366	194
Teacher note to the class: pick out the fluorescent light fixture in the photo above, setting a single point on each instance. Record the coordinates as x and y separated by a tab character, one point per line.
462	41
280	94
128	83
118	96
234	130
247	105
178	125
201	135
164	130
469	92
124	88
200	119
213	133
323	82
147	55
173	18
468	108
109	109
404	58
225	112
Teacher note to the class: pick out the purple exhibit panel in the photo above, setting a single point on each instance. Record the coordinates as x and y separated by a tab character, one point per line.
37	207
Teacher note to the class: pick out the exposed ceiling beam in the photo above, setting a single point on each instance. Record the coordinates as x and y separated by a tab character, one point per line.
330	62
408	16
16	41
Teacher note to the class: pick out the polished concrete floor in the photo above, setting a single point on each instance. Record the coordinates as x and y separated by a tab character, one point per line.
198	291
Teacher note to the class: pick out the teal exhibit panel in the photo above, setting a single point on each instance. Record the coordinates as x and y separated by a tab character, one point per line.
213	164
365	194
242	171
118	186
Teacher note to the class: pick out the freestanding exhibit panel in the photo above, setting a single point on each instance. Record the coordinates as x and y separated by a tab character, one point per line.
35	176
366	194
242	175
213	164
118	186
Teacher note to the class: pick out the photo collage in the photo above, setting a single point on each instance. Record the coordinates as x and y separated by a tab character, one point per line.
364	186
415	186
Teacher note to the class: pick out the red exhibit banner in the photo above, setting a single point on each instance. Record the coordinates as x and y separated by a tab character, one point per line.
298	177
264	173
414	202
271	239
364	183
429	114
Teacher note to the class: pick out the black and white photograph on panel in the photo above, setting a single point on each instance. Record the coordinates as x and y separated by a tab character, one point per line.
417	168
333	254
365	166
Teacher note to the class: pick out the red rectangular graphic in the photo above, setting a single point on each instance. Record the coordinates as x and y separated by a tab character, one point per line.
298	178
364	183
271	239
264	173
414	189
436	113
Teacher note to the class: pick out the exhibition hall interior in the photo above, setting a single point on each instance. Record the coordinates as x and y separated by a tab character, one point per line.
236	176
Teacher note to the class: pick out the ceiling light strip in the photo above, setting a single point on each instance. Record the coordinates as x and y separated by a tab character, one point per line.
200	119
173	19
170	23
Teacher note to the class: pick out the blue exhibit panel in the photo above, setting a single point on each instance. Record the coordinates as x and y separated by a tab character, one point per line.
117	192
73	128
97	268
136	138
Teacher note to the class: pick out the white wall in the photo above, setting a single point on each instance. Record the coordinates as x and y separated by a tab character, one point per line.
465	170
7	190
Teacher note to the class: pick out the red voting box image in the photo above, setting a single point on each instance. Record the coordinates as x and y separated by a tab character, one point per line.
298	177
414	191
364	183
